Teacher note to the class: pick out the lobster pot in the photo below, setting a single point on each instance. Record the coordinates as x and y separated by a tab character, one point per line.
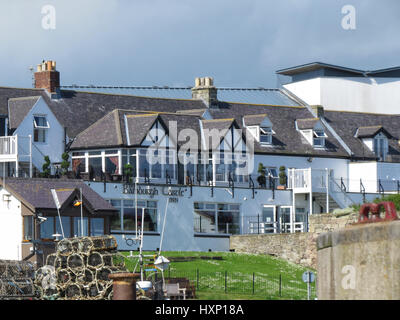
45	276
95	260
14	288
16	269
51	260
80	269
103	273
95	291
105	242
64	247
73	291
82	245
76	262
64	277
61	262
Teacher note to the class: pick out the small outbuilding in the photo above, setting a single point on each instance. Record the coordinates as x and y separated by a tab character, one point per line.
35	213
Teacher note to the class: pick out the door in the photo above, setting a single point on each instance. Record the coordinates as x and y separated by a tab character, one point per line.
268	220
284	218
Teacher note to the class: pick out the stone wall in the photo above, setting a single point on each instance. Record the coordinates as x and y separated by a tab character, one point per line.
360	262
299	248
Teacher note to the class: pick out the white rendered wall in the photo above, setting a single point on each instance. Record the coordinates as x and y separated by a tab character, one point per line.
54	145
367	171
11	227
376	95
179	227
339	167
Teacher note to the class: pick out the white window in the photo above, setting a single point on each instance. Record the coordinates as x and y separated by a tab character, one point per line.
266	135
319	138
219	218
40	127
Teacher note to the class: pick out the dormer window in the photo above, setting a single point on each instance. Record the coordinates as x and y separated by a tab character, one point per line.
40	127
380	145
319	138
375	139
266	135
313	131
260	127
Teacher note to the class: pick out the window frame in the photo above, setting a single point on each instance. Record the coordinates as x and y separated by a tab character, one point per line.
40	128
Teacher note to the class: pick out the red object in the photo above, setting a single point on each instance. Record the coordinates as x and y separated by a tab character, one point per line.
374	209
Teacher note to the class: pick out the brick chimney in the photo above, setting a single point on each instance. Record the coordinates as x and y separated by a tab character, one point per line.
46	76
204	90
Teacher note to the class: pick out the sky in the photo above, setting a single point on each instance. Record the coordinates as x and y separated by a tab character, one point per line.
170	42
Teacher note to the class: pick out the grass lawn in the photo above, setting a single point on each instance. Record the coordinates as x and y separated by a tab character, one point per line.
237	275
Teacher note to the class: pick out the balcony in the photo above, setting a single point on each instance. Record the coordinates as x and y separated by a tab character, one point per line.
17	150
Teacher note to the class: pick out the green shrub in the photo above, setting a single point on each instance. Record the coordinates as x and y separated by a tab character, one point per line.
282	176
46	168
64	163
395	198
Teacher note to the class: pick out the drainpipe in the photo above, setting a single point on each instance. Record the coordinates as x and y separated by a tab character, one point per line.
327	190
292	216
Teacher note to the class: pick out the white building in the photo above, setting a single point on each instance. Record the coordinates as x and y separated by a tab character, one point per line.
323	159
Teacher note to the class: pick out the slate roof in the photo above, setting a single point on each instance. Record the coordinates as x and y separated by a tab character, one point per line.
18	108
138	125
99	120
304	124
132	131
286	140
78	110
255	119
371	131
346	124
36	193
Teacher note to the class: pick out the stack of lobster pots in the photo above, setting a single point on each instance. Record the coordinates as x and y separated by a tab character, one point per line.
79	269
16	280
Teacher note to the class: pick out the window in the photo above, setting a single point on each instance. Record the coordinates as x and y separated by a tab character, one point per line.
216	218
77	226
381	147
47	228
266	135
40	127
319	138
96	226
126	220
115	220
66	224
28	228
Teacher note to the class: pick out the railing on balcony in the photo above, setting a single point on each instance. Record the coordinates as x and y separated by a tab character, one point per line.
8	146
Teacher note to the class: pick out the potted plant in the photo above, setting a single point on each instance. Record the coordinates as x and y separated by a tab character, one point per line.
282	178
128	170
262	180
64	164
46	168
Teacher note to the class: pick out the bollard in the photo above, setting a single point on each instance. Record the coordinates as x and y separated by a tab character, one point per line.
124	285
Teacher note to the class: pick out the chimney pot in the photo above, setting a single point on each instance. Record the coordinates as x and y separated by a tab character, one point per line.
204	90
47	77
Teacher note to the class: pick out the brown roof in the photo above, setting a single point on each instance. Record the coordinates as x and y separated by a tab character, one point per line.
36	193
